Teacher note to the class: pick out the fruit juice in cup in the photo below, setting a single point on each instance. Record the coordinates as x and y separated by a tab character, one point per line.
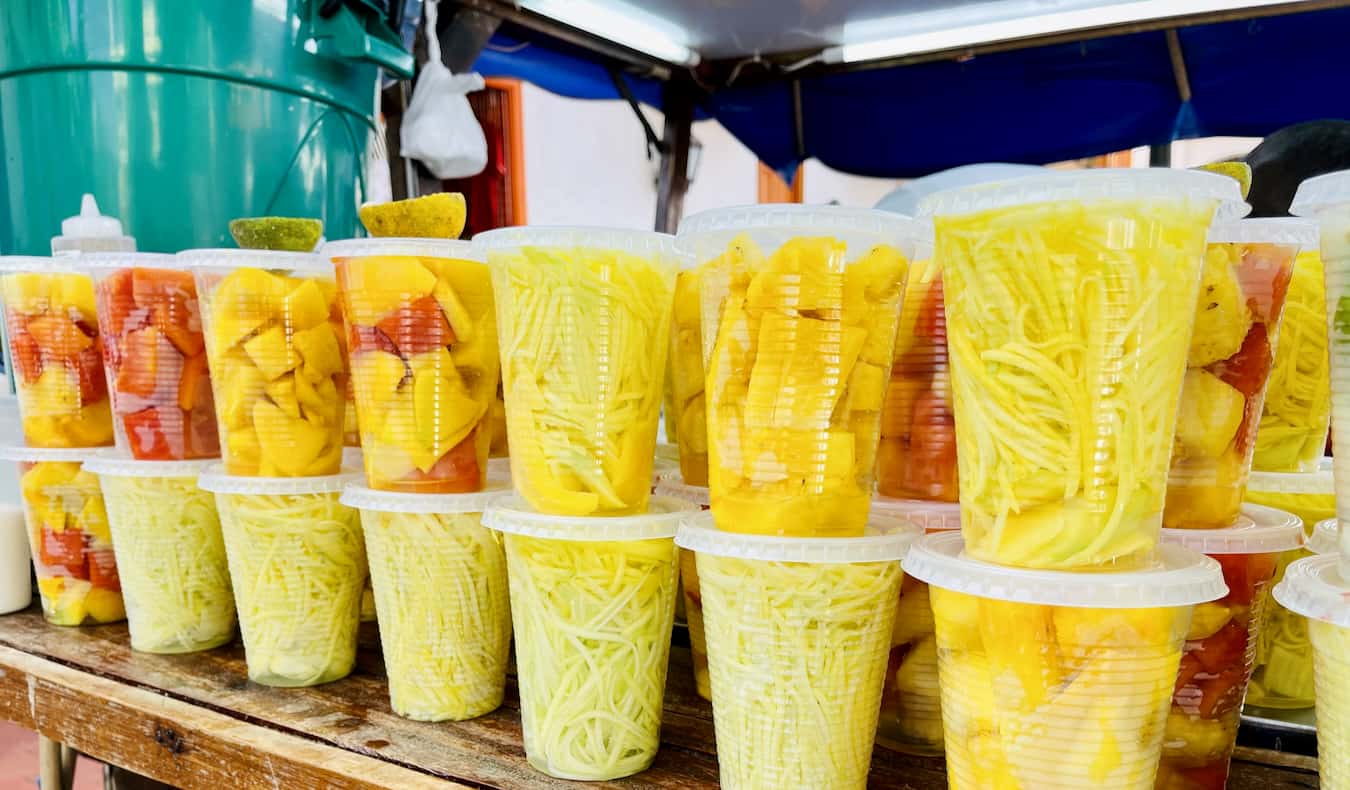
693	600
1069	302
1314	588
917	455
52	336
1054	679
155	356
592	603
422	338
798	632
911	701
170	553
687	403
1297	412
800	304
1221	644
1247	270
276	348
583	316
298	562
441	595
68	535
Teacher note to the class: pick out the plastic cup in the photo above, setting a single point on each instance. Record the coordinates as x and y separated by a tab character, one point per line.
278	362
1313	588
1053	679
798	632
155	356
592	602
298	562
441	596
1221	645
422	336
693	601
688	408
1069	304
583	318
170	553
911	700
801	305
68	534
1247	271
52	336
1297	411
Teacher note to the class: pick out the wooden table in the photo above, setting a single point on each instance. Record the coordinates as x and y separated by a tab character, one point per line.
196	721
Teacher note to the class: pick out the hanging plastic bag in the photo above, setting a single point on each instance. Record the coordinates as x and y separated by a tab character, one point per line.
439	128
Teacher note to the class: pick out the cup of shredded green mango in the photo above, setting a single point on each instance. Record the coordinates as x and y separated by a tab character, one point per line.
298	563
441	595
170	553
592	602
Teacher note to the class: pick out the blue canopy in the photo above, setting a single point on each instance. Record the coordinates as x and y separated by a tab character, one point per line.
1034	105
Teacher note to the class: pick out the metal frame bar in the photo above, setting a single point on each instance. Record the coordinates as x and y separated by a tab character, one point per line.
677	103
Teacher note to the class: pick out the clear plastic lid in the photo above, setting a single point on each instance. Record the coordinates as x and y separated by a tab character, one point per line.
795	218
215	480
115	464
1321	192
640	242
1178	577
359	496
233	258
881	543
662	519
127	260
499	469
1265	230
1313	588
1319	482
673	486
39	264
1123	183
91	230
22	452
929	516
1259	530
1324	537
458	249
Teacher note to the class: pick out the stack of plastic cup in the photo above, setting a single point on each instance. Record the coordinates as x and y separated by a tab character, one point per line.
1247	271
1221	645
170	553
798	633
687	405
1054	679
799	311
592	602
298	562
911	701
69	537
441	590
1070	299
689	592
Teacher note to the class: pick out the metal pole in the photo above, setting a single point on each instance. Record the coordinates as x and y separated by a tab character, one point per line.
1160	155
677	102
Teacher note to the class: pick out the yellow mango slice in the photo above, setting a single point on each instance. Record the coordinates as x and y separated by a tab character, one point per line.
93	519
329	461
242	303
378	375
444	413
305	306
104	606
56	393
242	384
330	404
318	348
27	292
455	311
272	354
77	291
377	285
801	367
283	394
289	444
245	452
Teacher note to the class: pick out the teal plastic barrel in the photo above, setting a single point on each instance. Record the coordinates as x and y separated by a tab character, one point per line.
180	116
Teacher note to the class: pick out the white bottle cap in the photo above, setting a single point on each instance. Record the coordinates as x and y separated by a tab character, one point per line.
90	231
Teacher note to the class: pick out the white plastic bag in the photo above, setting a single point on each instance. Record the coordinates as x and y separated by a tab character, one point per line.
439	128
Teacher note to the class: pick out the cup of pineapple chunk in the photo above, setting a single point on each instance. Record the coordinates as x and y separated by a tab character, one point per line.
798	633
798	307
1054	679
441	597
276	350
1069	303
422	340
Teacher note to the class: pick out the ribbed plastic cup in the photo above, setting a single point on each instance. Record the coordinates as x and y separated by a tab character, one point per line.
592	602
1313	588
1070	299
170	553
422	336
911	699
1297	412
298	563
1248	266
798	632
155	356
693	600
1053	679
52	338
68	535
1221	645
688	406
801	305
583	317
442	601
276	347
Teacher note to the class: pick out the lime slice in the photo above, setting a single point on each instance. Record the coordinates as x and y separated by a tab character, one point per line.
1240	172
438	216
292	234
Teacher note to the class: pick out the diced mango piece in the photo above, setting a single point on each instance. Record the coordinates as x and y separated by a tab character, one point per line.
801	367
377	285
443	411
245	453
105	606
318	347
1210	414
289	444
56	393
27	292
283	394
243	302
305	307
455	311
77	291
242	384
93	519
378	374
271	353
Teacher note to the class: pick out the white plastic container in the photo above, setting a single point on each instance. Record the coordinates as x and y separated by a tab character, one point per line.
16	584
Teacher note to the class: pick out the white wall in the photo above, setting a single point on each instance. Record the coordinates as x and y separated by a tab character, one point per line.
823	185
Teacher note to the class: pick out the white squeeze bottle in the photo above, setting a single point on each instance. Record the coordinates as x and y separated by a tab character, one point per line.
90	231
